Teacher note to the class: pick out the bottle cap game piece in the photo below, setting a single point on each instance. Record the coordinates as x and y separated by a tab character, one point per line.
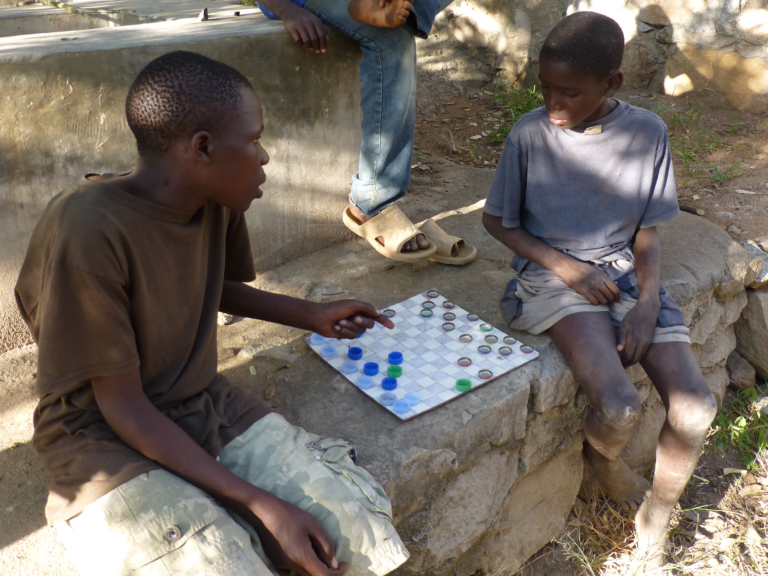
401	406
465	362
371	368
316	339
466	338
364	382
428	305
389	313
463	385
448	326
485	374
525	349
395	357
472	317
483	349
395	371
433	294
412	398
355	353
491	339
425	313
328	351
349	367
449	316
389	383
387	399
486	327
505	350
448	305
509	340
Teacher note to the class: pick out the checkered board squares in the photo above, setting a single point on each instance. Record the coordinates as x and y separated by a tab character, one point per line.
430	354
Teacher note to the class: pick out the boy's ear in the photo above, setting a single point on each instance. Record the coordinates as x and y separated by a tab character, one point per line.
614	82
201	146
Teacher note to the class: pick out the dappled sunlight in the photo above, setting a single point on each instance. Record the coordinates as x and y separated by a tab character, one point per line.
678	85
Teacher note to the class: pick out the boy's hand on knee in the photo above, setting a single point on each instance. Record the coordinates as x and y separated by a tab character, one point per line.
306	28
294	539
590	282
348	318
636	332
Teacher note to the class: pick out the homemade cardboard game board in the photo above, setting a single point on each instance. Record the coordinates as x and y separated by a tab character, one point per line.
436	352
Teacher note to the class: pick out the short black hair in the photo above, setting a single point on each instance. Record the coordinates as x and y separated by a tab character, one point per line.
592	44
179	92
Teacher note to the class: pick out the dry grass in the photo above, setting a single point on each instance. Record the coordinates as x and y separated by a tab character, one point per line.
717	529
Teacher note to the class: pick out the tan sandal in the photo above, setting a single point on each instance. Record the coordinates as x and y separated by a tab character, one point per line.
450	249
394	228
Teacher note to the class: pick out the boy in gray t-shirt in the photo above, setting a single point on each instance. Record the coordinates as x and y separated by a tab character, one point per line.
581	185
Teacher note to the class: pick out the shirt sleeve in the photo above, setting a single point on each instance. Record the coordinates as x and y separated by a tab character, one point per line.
662	205
83	328
238	266
507	193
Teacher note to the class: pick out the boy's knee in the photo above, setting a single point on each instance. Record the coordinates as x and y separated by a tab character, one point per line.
619	413
692	416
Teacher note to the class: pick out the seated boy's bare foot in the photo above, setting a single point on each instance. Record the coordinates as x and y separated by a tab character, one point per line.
652	522
418	242
627	489
380	13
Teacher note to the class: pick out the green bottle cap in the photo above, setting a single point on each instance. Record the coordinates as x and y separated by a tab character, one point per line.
395	371
463	385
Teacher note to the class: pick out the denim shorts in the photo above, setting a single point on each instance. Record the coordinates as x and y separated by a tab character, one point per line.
158	523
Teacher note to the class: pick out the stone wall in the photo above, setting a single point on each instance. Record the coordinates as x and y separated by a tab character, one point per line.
713	52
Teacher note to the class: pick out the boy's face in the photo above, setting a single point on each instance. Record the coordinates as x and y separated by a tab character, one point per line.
572	98
236	170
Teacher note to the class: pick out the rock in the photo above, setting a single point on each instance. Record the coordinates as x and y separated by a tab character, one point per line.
761	264
733	230
752	332
726	215
716	379
741	375
717	348
556	384
225	319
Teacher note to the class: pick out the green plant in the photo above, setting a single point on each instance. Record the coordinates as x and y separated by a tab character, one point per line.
729	172
734	126
742	424
514	104
248	2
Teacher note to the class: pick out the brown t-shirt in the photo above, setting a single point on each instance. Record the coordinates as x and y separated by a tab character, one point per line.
110	283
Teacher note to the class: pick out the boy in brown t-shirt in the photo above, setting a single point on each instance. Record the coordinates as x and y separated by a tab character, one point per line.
121	286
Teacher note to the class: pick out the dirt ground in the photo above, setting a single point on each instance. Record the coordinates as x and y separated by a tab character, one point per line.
720	156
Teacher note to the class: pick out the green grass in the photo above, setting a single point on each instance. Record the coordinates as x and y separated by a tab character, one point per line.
514	104
741	424
248	2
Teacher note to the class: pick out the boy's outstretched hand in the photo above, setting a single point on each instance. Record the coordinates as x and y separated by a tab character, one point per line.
636	332
347	319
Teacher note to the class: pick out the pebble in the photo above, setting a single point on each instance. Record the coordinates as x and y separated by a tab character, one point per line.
733	230
724	214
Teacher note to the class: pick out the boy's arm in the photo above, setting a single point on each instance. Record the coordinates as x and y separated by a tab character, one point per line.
292	538
636	330
303	26
340	319
584	278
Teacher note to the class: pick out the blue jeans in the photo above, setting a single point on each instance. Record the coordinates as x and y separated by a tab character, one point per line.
387	97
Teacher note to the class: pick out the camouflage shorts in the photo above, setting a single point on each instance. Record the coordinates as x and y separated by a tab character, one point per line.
159	524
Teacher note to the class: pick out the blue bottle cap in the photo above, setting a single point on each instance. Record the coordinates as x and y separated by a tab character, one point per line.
395	357
412	398
401	406
371	368
389	383
317	340
355	353
388	398
328	351
349	367
364	382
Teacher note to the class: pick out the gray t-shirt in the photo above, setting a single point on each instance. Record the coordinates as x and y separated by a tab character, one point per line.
585	191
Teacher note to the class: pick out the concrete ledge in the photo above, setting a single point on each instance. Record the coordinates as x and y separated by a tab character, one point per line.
65	103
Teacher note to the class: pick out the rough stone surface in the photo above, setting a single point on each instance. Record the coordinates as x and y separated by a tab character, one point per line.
752	332
741	375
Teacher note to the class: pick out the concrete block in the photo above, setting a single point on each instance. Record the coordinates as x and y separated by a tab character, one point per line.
62	110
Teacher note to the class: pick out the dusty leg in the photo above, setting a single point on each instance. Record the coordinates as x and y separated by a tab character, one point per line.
691	407
419	242
394	12
588	343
